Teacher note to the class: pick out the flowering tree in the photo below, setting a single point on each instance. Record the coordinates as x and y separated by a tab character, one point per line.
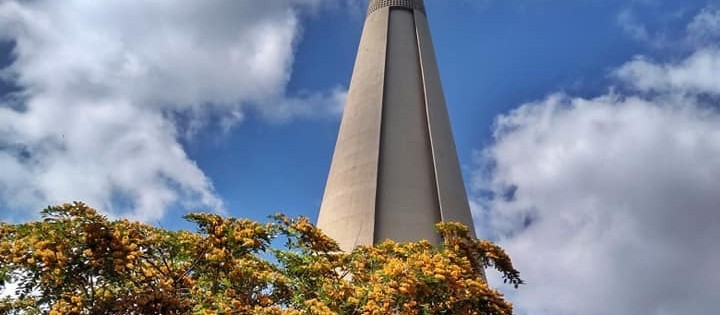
77	261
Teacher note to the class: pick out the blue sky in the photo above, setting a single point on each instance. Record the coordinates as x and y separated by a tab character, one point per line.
601	118
492	56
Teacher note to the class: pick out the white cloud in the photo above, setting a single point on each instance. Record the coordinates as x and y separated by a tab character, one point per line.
699	73
609	205
705	27
627	21
102	81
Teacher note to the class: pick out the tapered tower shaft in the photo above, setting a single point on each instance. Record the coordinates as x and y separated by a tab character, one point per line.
395	171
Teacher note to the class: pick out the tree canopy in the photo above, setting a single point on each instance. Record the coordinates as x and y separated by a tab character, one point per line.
77	261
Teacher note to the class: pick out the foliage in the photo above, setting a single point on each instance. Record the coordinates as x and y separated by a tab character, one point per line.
77	261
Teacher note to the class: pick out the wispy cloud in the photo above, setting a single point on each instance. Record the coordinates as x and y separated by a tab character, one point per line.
626	19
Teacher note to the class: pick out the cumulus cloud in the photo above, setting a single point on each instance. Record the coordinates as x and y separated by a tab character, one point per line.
694	75
102	83
610	205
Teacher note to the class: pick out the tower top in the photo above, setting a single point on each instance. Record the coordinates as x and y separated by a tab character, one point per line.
410	4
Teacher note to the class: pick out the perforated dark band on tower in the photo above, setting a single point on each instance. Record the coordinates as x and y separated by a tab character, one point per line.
410	4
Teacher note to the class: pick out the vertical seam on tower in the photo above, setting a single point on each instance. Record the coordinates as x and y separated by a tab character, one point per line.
427	118
380	134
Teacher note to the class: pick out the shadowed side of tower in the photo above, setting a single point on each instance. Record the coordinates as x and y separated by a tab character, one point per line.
395	172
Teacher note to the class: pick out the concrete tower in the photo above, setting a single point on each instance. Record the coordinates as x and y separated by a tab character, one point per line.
395	171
